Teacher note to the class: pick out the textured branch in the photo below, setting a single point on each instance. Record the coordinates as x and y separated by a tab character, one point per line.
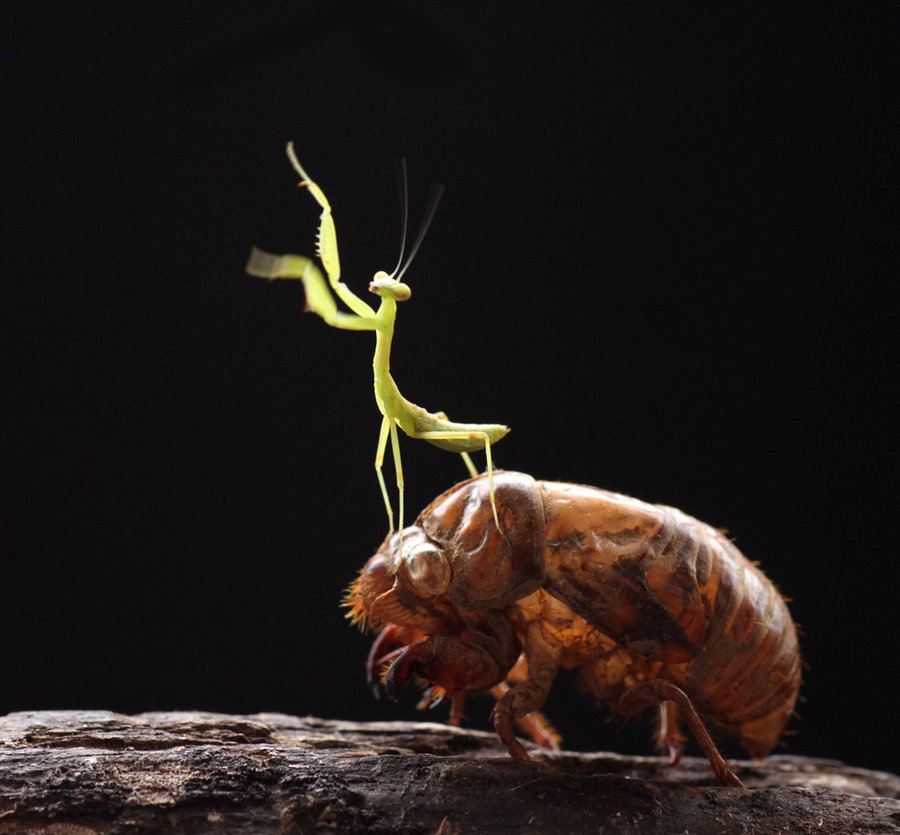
76	773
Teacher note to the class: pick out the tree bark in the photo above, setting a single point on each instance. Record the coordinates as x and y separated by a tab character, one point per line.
85	772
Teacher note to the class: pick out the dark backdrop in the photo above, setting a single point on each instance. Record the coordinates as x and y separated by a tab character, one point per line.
657	259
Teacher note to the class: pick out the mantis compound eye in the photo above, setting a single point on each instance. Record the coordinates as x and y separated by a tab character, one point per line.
401	291
427	568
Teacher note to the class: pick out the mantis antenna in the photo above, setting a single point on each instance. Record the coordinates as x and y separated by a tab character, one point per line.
402	187
431	207
396	410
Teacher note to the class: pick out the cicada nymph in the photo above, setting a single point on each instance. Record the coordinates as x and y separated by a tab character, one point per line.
653	607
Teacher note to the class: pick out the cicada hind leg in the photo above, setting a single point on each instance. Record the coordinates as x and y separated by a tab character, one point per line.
668	735
657	692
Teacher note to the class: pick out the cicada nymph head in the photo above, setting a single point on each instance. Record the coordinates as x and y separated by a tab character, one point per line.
439	589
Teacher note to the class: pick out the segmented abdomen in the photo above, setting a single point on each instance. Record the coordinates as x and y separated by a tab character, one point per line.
746	674
680	601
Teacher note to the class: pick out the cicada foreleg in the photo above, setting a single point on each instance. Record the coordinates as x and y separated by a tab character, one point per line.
542	654
535	724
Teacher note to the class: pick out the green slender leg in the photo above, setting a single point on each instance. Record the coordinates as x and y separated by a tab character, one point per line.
470	465
389	426
395	450
459	435
318	299
379	462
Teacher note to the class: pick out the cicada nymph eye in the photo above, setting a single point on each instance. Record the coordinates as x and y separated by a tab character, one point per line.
427	568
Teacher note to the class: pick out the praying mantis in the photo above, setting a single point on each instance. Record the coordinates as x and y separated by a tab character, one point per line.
396	410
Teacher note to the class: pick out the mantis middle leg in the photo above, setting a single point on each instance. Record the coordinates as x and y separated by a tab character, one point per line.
389	427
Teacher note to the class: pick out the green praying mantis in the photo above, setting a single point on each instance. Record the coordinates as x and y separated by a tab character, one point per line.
396	410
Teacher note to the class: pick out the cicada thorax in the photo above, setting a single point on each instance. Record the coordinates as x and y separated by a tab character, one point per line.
491	567
623	567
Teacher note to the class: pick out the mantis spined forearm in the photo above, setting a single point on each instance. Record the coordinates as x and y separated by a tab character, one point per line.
396	410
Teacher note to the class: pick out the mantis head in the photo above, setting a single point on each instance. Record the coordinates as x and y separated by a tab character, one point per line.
386	285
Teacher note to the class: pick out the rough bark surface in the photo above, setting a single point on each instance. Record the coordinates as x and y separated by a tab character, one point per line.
84	772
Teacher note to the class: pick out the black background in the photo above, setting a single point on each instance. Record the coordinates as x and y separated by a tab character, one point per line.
658	259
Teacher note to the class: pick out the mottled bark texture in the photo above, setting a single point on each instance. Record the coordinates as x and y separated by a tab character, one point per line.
84	772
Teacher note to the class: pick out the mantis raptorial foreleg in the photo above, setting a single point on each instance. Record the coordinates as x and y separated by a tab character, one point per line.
326	241
318	299
397	410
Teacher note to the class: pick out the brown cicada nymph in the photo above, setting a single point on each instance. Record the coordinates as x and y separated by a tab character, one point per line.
652	606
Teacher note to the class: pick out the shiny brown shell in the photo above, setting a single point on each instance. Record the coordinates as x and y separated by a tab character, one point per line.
651	605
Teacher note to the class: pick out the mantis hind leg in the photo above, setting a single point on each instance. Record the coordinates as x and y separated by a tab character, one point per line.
467	459
460	435
470	465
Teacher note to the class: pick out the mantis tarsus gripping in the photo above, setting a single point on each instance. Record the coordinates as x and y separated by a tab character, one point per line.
397	411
